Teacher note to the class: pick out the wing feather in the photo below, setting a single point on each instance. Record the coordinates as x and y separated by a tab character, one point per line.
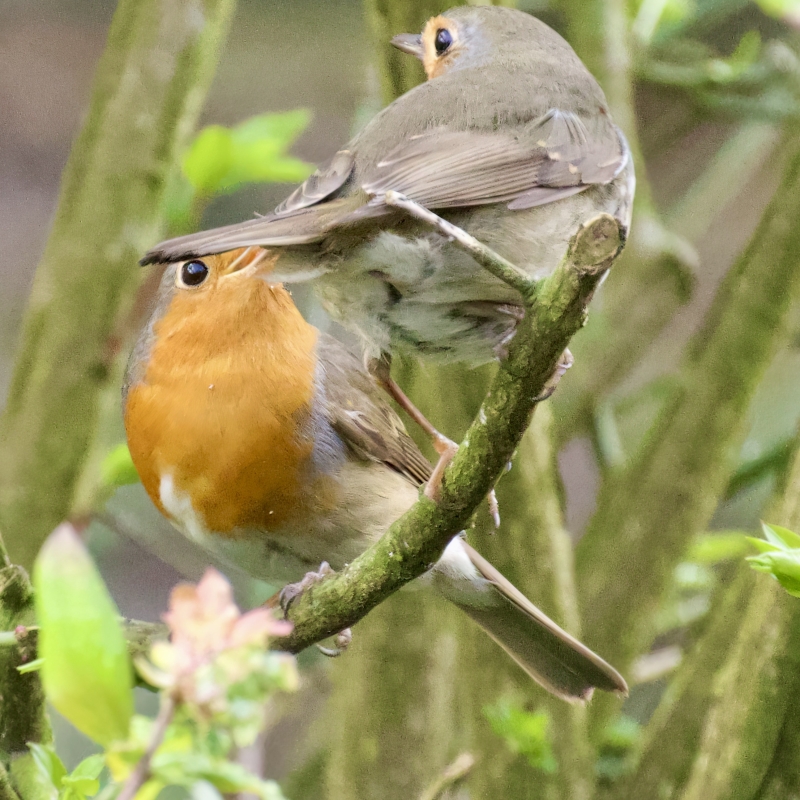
552	159
359	412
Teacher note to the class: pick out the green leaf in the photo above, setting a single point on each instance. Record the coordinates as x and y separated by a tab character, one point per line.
222	159
784	565
48	763
82	787
31	666
117	468
284	127
524	732
761	545
208	159
185	769
86	672
781	537
622	734
90	767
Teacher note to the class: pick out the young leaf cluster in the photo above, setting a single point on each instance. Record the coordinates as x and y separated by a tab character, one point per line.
779	556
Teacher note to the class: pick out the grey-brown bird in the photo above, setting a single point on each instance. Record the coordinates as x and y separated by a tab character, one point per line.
268	443
510	139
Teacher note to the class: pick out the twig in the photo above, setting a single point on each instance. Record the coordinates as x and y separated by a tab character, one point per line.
141	772
499	267
452	775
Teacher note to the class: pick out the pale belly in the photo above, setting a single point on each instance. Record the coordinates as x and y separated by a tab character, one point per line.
370	497
417	291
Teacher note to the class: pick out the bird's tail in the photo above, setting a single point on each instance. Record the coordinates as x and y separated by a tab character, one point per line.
553	658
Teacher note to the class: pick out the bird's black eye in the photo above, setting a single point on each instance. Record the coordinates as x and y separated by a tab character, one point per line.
443	40
193	273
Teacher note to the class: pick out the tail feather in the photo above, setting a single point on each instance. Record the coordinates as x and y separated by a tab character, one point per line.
553	658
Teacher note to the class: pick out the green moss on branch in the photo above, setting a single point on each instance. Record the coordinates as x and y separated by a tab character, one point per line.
648	509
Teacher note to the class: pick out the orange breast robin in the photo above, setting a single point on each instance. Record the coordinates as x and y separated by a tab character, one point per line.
510	138
269	444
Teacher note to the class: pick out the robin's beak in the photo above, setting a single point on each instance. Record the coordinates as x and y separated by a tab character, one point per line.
410	43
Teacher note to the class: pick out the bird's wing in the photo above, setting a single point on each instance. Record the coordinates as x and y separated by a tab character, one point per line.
302	218
359	412
553	158
328	179
306	225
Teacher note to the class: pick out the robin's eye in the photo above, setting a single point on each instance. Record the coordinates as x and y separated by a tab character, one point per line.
193	273
443	40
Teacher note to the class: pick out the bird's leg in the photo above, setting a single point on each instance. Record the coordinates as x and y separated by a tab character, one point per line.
500	267
286	596
564	363
380	369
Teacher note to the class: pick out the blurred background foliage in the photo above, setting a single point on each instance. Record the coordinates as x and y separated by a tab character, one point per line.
708	91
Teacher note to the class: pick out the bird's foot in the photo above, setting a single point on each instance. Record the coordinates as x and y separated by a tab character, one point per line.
447	449
292	591
564	363
340	643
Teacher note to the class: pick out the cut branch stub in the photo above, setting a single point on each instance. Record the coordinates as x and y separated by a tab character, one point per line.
597	241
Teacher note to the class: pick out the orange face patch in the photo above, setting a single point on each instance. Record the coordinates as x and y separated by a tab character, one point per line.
436	63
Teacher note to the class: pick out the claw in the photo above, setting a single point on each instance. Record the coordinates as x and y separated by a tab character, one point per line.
341	643
564	363
292	591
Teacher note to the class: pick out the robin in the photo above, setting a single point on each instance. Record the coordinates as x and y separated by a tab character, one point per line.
510	138
268	443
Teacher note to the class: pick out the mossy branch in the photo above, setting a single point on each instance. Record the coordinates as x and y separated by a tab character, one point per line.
556	310
23	715
148	91
742	678
649	508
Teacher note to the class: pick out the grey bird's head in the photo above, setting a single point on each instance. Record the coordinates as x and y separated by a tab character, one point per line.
474	36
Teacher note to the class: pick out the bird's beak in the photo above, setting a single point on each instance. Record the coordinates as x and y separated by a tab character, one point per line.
410	43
